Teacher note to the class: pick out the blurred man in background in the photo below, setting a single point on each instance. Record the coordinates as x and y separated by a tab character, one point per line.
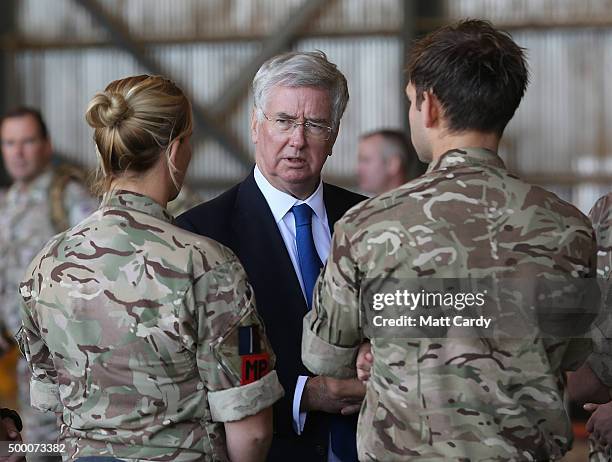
42	201
386	161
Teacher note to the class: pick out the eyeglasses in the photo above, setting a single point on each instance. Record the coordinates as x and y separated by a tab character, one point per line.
312	130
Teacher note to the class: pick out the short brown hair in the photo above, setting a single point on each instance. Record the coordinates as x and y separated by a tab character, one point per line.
24	111
478	73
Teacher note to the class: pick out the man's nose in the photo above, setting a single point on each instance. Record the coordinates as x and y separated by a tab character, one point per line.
298	136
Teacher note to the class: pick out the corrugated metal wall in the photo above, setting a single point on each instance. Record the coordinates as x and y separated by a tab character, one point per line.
562	129
559	130
529	12
188	19
62	80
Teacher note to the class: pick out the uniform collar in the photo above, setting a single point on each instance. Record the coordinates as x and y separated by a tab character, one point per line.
133	201
280	202
467	157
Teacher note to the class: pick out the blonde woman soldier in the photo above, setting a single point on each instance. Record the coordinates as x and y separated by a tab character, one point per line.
143	337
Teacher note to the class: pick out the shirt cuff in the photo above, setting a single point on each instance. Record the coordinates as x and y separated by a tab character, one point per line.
44	396
323	358
299	418
240	402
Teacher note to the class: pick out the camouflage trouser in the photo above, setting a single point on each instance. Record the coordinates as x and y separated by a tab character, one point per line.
38	427
597	453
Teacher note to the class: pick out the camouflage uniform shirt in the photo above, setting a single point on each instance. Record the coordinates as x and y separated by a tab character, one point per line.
600	360
25	227
461	399
135	330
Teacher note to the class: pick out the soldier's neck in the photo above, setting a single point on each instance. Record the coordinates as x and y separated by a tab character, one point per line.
143	186
471	139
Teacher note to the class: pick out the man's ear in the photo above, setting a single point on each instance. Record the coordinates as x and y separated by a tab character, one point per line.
332	139
254	126
431	109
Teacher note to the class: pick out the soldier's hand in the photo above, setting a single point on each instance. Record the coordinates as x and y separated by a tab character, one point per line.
332	395
365	359
600	423
9	432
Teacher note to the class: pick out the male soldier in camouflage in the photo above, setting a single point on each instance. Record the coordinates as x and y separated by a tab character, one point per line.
42	201
143	336
591	383
462	398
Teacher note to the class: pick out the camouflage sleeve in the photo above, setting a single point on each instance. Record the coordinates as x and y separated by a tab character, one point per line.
78	202
44	391
600	361
234	356
331	331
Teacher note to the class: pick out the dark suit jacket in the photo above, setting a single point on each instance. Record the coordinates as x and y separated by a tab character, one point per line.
241	220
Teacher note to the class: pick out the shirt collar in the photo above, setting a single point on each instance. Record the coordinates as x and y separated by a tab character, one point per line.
467	157
133	201
280	202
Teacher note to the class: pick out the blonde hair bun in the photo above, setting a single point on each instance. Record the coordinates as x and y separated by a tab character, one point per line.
107	110
135	120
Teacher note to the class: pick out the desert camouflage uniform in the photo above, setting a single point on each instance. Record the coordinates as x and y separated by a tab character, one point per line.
25	226
601	359
461	399
132	329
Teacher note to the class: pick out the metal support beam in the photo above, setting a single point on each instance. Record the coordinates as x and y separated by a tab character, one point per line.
120	35
277	42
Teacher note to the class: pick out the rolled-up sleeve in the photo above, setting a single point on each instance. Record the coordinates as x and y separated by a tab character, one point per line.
331	330
234	357
239	402
44	389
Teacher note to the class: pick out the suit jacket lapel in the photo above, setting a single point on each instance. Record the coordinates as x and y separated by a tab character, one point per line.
333	207
257	234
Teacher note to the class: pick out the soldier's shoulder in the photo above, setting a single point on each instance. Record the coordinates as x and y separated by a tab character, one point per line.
386	204
48	253
563	208
600	213
204	252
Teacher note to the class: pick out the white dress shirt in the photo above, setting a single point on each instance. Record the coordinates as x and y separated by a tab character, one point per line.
280	204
